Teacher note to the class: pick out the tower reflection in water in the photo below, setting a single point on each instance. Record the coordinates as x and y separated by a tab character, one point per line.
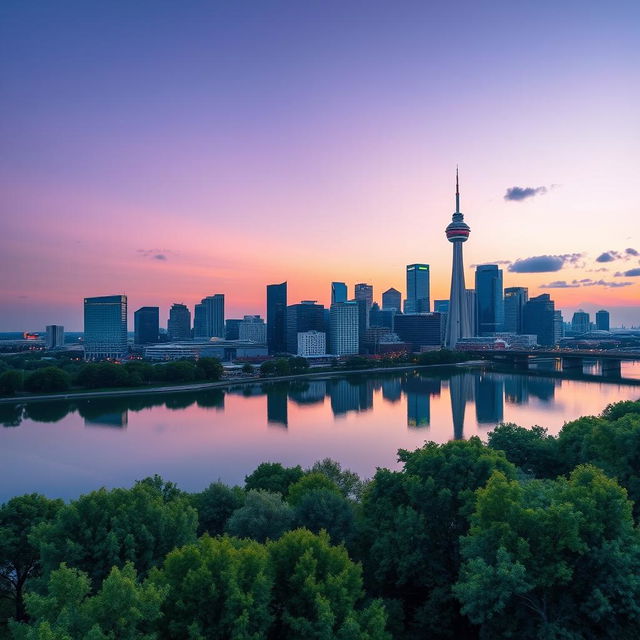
461	392
419	391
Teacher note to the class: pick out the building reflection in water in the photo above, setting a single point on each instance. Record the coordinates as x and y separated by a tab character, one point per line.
392	389
277	404
489	398
419	391
344	395
311	392
519	389
461	392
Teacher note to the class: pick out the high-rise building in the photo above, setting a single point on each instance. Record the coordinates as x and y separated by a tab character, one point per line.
312	343
538	318
306	316
472	310
55	336
179	325
558	326
254	329
392	299
580	323
231	328
418	289
441	306
458	318
146	322
208	321
277	317
602	320
419	329
344	328
489	299
105	327
514	300
338	292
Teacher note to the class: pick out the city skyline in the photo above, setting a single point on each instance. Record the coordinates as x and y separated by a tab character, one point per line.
223	148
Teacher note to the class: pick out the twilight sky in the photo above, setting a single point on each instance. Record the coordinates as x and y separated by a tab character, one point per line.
170	151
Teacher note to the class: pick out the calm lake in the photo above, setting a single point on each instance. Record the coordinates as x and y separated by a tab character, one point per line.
64	449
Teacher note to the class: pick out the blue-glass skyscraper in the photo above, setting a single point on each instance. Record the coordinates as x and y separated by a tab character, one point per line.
105	327
146	325
338	292
277	317
489	299
418	289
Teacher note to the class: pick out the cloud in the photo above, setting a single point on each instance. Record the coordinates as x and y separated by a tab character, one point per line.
631	252
632	273
480	264
517	194
559	284
604	283
607	256
543	264
159	256
154	254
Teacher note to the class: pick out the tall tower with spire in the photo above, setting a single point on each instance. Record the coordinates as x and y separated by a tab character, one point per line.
459	316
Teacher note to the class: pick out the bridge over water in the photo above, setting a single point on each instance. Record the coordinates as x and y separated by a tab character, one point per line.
571	360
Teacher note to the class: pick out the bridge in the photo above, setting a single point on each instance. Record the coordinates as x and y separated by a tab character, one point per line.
572	360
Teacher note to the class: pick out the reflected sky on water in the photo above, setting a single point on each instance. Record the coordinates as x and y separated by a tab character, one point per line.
64	449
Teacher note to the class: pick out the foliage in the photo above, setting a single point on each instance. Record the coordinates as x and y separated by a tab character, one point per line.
272	476
443	356
10	382
109	528
317	589
329	510
220	589
122	608
95	375
178	371
412	522
47	379
552	559
19	557
211	368
263	516
347	481
247	368
214	505
310	482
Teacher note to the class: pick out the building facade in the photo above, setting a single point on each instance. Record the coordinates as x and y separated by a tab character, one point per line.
306	316
253	329
344	329
277	317
338	292
208	321
418	289
179	324
514	300
105	327
312	343
602	320
392	299
55	336
489	299
580	323
538	318
146	324
419	329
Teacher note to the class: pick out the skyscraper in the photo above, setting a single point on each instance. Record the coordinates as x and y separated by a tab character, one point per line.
489	300
179	325
338	292
458	318
538	318
306	316
254	329
418	289
55	336
344	332
105	327
208	321
514	300
146	322
277	317
602	320
364	292
392	299
580	323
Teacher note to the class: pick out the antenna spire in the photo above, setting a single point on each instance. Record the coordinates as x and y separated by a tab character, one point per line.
457	192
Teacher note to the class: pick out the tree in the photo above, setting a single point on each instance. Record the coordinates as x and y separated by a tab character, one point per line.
272	476
347	481
47	379
298	364
219	588
178	371
326	509
211	368
317	590
283	366
247	368
95	375
268	368
19	556
263	516
552	559
10	382
122	608
619	409
105	528
411	525
310	482
214	505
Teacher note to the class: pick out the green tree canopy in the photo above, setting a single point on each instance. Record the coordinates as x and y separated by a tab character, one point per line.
272	476
264	516
220	589
211	368
47	379
326	509
310	482
347	481
214	505
105	528
552	559
10	382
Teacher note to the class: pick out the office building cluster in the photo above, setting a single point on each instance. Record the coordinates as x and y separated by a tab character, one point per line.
488	316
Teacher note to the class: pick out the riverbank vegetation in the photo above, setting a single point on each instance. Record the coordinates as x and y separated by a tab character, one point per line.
528	536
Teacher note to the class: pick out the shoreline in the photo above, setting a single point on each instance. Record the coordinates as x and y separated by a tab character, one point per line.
221	384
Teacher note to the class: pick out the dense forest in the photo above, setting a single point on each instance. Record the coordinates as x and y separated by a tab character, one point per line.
527	536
